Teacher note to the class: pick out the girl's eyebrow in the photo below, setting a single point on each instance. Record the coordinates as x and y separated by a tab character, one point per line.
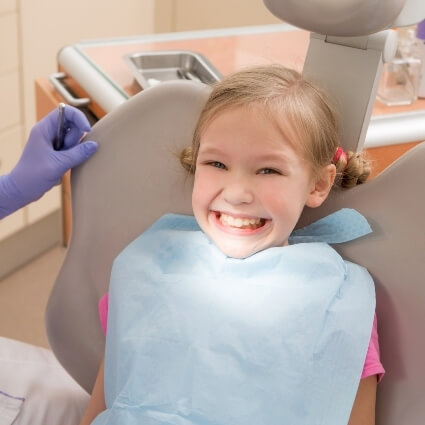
209	150
274	156
278	156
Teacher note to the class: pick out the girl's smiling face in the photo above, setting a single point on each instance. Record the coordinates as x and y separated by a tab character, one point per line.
250	184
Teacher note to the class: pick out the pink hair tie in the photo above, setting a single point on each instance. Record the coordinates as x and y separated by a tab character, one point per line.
339	152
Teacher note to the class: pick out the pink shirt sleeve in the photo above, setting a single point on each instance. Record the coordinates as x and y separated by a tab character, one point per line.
372	365
103	312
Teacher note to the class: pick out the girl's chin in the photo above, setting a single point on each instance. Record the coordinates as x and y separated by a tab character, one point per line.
238	253
237	247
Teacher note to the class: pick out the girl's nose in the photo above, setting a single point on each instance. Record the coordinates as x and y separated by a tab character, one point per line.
238	193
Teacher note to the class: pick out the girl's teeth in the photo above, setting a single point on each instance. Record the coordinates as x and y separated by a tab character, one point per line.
240	222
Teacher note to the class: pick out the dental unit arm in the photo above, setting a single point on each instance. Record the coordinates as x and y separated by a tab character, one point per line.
349	43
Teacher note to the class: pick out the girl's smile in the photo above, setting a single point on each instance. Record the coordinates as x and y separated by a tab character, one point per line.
240	225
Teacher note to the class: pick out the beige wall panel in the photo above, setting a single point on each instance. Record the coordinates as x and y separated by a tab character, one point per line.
164	16
47	204
10	149
9	59
12	224
10	112
7	6
195	14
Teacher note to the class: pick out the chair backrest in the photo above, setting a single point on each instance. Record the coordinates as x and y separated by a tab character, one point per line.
135	177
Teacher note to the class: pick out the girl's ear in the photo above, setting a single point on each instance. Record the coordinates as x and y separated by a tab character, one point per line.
322	186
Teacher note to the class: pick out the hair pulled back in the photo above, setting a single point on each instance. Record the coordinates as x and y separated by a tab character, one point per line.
299	109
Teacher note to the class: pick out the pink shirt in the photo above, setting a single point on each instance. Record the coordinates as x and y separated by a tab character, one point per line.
372	365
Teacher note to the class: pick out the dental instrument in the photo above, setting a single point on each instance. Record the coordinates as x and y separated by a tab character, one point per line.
60	131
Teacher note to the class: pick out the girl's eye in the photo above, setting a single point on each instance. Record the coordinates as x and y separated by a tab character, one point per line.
268	171
217	164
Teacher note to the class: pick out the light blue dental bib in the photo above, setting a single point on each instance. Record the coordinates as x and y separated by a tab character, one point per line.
197	338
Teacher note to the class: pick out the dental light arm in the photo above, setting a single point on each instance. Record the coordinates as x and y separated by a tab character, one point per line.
350	42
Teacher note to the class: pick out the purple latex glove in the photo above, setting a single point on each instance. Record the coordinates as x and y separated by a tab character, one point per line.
40	166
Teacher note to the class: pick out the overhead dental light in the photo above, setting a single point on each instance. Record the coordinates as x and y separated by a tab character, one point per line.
348	18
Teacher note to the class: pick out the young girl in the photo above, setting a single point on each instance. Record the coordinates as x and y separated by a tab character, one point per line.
230	317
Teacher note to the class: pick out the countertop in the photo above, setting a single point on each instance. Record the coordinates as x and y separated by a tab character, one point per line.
98	66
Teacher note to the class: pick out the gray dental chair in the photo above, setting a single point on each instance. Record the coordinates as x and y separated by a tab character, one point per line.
135	177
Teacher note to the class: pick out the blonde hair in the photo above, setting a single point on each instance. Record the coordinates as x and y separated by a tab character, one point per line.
300	109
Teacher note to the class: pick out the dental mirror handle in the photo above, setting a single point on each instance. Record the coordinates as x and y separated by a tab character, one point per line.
60	131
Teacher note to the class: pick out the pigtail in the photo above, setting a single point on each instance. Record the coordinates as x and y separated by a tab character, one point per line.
351	169
186	159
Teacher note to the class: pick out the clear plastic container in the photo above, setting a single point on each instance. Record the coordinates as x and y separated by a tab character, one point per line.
421	53
420	49
400	78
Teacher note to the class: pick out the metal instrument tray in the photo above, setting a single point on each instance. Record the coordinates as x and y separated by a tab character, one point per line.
151	68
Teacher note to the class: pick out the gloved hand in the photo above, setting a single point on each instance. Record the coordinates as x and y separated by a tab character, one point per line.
40	166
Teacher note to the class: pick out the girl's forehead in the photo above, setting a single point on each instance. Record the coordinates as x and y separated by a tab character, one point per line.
255	118
244	132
